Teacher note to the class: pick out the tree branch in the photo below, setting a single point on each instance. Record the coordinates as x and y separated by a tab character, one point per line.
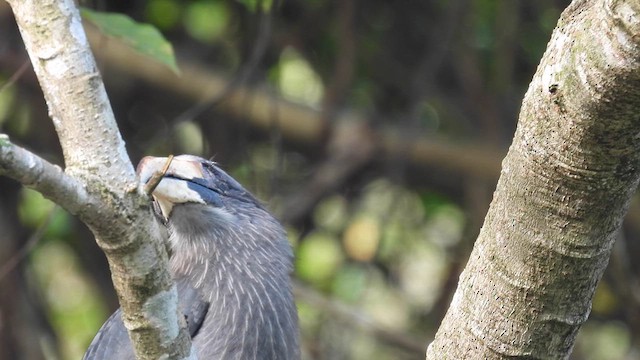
565	186
297	123
106	195
302	124
38	174
354	317
78	104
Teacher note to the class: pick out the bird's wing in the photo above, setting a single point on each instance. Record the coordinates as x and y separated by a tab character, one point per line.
112	340
193	306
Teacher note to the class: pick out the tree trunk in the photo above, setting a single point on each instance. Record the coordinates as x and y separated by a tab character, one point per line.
564	188
99	184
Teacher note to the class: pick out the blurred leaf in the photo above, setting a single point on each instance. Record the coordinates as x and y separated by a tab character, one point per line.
361	95
605	301
319	257
20	121
164	14
206	20
484	14
393	244
533	42
384	303
350	283
297	79
75	309
308	315
430	262
432	202
294	236
361	238
188	137
430	116
7	97
252	5
33	210
549	18
331	214
445	226
144	38
610	341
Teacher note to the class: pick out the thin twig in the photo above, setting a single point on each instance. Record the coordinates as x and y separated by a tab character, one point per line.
357	318
44	177
13	262
245	71
15	76
157	176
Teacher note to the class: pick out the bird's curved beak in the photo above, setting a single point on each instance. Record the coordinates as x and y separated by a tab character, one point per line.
180	183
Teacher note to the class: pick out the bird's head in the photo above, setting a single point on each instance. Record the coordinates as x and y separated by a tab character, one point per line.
208	211
226	245
193	180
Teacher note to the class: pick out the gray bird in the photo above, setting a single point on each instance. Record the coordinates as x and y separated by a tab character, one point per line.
231	262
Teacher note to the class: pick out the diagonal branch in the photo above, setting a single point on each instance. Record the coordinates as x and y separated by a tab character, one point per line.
99	183
36	173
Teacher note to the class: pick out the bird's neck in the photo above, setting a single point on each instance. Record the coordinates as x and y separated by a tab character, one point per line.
249	292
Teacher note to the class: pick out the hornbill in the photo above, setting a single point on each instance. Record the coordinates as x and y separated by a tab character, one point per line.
231	262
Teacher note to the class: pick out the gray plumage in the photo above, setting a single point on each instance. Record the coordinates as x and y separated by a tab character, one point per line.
231	261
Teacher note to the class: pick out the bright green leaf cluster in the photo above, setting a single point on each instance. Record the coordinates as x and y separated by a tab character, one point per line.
144	38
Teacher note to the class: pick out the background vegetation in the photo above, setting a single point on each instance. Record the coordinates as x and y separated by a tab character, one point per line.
374	130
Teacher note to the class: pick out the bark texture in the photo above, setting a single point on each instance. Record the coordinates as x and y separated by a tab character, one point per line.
99	183
564	188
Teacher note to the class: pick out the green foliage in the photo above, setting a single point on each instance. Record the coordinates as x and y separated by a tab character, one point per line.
484	12
7	98
206	20
384	248
165	14
75	309
188	137
609	341
34	210
15	115
144	38
350	283
433	201
319	257
72	303
605	301
331	214
254	5
297	80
